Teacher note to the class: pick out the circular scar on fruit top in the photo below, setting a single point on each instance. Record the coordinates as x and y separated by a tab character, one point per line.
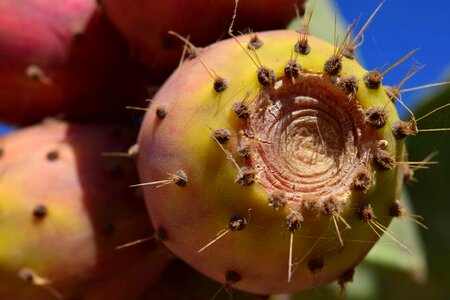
314	138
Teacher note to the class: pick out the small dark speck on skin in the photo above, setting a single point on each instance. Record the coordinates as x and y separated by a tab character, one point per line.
161	234
255	43
362	180
237	223
220	84
243	149
221	135
52	155
365	212
302	47
109	229
373	79
161	111
396	210
246	176
27	275
277	199
348	84
383	160
77	37
376	117
402	129
232	277
241	109
333	65
315	265
292	69
266	76
180	178
294	221
40	211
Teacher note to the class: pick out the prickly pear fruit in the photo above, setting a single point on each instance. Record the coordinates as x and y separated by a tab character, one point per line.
272	170
64	208
63	57
146	24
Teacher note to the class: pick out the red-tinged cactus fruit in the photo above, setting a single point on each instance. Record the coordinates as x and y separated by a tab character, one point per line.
277	182
146	24
64	210
63	58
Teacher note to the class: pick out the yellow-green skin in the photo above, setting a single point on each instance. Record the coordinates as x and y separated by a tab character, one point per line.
195	214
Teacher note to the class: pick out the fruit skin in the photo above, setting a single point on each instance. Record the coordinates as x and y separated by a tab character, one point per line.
146	24
191	285
197	213
90	210
63	57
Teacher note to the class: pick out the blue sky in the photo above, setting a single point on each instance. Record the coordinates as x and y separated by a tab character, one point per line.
3	128
399	27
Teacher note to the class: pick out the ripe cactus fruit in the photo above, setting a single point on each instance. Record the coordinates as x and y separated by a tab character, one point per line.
146	24
63	57
289	173
63	210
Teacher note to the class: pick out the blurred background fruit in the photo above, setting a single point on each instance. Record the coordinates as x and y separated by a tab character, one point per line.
65	207
63	58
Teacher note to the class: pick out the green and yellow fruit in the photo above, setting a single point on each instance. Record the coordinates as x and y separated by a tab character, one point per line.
274	167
